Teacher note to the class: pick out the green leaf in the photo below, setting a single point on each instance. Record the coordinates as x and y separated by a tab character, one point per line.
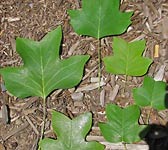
152	93
122	125
127	58
43	71
70	133
100	18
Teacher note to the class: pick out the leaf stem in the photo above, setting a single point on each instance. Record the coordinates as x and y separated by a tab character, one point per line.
125	84
148	116
44	119
99	61
125	146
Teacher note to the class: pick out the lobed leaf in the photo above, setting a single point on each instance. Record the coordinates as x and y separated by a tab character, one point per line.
43	71
127	58
70	133
100	18
122	124
152	93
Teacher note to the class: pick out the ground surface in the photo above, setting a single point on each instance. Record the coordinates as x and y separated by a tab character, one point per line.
33	19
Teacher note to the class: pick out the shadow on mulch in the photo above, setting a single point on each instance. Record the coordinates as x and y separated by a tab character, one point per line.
157	135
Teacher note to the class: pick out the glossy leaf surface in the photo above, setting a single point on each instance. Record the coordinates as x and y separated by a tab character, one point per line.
43	71
70	133
100	18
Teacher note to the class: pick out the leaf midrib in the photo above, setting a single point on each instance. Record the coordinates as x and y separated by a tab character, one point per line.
99	20
152	95
122	126
42	74
127	59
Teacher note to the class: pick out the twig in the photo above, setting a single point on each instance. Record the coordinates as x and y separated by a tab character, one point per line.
30	102
32	125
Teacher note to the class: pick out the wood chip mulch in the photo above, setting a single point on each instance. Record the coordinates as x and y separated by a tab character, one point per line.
33	19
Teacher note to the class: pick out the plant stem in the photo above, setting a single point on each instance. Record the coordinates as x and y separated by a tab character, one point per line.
148	116
44	118
125	146
125	84
99	61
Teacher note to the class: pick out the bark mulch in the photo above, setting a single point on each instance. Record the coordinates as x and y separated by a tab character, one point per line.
33	19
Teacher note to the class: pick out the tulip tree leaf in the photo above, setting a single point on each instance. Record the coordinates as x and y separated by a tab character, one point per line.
122	124
43	71
152	93
100	18
127	58
70	133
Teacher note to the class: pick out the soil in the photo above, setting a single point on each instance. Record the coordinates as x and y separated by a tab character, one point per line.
34	19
